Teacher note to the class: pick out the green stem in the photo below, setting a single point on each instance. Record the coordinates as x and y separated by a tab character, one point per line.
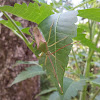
76	63
20	32
87	68
93	98
85	2
23	37
83	95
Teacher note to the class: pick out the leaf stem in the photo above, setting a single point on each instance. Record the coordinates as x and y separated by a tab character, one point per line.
23	37
76	63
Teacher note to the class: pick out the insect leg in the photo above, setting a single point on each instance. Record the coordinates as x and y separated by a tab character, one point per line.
63	47
56	59
55	75
50	32
58	41
46	60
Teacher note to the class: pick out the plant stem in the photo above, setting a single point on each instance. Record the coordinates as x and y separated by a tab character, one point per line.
76	63
82	4
93	98
83	95
87	68
20	32
22	36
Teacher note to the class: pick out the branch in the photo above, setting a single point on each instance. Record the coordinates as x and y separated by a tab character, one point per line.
30	46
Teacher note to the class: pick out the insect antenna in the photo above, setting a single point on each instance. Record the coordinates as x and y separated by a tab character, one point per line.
64	47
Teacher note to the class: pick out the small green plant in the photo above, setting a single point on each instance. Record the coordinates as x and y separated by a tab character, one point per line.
53	37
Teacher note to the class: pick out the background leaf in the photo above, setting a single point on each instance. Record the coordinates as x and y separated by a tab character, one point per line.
30	72
96	81
8	24
46	91
62	27
54	96
81	37
26	62
32	12
26	30
93	14
71	88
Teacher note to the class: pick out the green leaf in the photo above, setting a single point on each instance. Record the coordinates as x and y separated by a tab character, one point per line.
25	62
32	12
46	91
96	81
26	30
62	30
15	27
11	26
8	24
54	96
81	37
93	14
71	88
28	73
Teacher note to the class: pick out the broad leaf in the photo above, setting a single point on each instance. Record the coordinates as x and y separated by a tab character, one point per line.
93	14
44	92
96	81
54	96
26	30
26	62
71	88
30	72
81	37
63	28
11	26
32	12
8	24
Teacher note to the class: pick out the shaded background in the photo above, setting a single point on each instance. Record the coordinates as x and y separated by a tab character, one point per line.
13	49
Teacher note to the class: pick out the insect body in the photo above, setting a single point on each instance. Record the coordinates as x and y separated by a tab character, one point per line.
43	47
40	41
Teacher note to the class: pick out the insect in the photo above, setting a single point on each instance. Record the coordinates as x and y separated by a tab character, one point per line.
42	45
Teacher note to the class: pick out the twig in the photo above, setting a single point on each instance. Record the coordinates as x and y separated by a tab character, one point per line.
23	37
